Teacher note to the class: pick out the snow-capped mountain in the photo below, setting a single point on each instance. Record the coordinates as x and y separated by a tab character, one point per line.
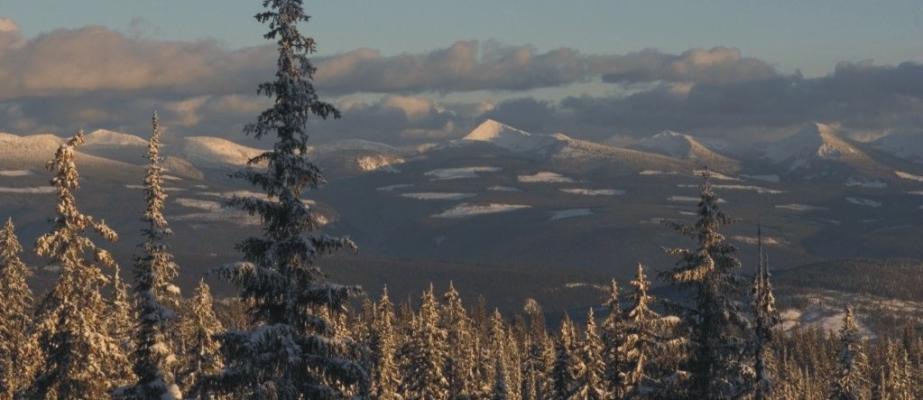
906	145
103	137
214	152
817	146
687	147
569	153
510	138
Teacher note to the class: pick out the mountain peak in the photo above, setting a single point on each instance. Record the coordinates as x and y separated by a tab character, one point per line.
508	137
490	130
113	138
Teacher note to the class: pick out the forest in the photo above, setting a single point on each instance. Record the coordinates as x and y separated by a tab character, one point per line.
297	335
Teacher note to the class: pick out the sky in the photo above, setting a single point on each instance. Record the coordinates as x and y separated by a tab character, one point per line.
423	70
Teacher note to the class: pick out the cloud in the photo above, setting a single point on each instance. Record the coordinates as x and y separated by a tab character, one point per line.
718	65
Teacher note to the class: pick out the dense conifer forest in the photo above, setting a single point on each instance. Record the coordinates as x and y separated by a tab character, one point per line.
296	335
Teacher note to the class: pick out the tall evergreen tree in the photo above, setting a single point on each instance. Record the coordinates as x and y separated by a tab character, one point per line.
17	349
718	327
80	358
155	294
642	337
535	374
567	363
459	367
591	385
120	318
201	357
765	320
423	377
850	381
292	351
385	375
501	387
613	337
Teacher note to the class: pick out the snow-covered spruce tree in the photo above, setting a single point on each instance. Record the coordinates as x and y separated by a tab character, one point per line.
156	297
766	318
17	349
383	345
613	338
459	366
121	320
591	385
198	330
568	364
501	387
422	376
81	360
896	375
535	375
642	338
718	326
291	352
849	381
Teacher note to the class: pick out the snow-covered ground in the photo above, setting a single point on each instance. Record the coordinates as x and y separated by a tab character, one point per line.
16	172
753	240
470	210
379	163
593	192
437	196
391	188
763	178
499	188
799	207
864	202
206	205
651	172
757	189
876	184
908	176
459	173
28	190
544	177
689	199
572	213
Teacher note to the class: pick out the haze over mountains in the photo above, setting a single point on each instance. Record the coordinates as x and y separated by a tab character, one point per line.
543	208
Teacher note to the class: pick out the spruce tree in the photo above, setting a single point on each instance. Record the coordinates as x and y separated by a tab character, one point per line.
201	357
459	366
642	337
717	325
291	352
567	363
121	320
422	375
613	337
535	373
17	349
849	381
591	385
766	318
501	387
155	294
80	357
384	373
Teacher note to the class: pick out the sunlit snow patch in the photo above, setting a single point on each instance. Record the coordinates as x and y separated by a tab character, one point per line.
470	210
757	189
573	213
503	189
391	188
864	202
908	176
764	178
459	173
715	175
753	240
544	177
437	196
15	172
594	192
799	207
853	182
28	190
652	172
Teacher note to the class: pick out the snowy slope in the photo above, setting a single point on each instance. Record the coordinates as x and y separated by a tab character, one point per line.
569	153
206	151
686	147
103	137
817	145
32	152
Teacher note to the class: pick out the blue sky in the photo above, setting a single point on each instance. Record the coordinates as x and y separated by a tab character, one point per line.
808	35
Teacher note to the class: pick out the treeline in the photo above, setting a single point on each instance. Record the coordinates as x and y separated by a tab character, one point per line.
91	336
